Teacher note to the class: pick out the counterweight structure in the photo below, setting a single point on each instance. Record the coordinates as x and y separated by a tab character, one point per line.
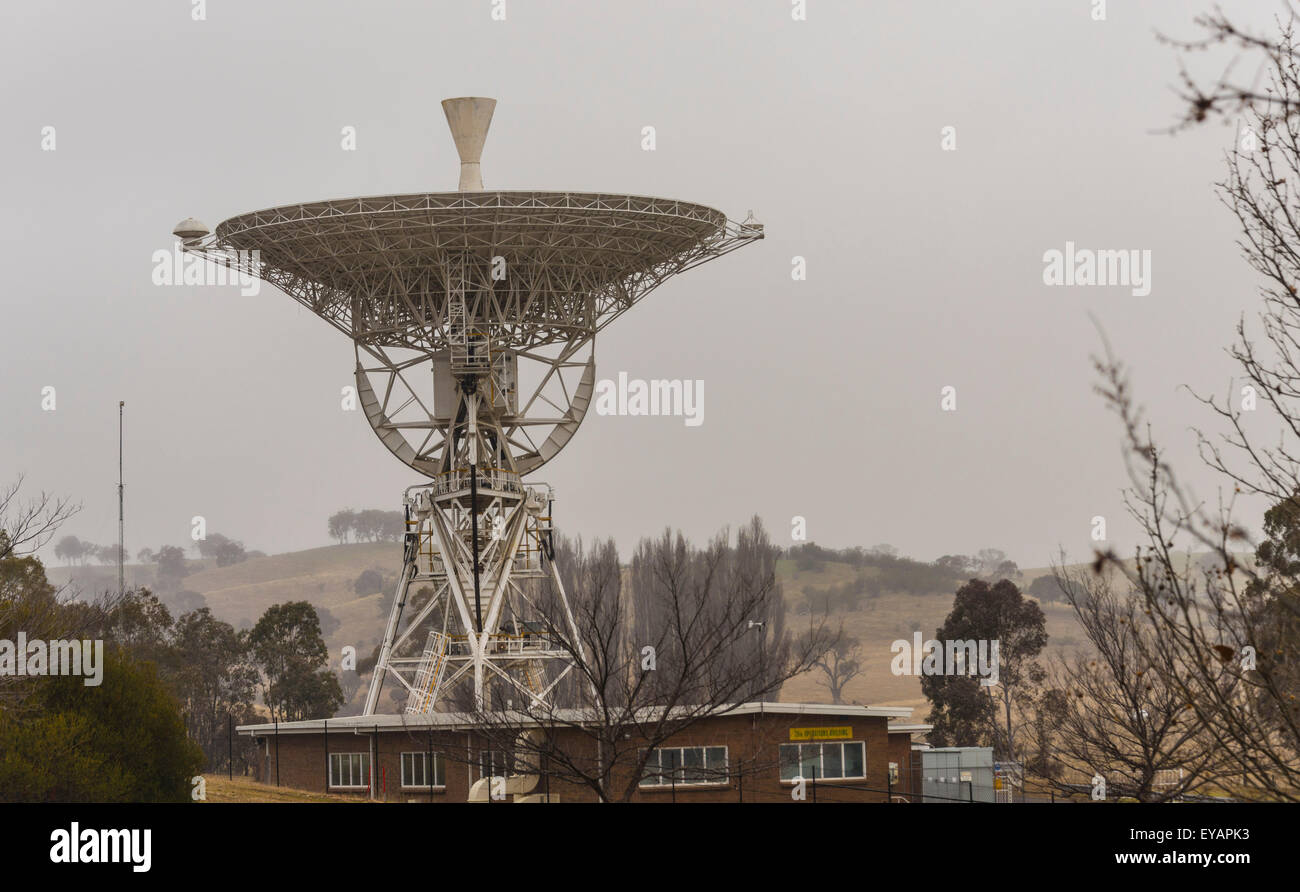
473	316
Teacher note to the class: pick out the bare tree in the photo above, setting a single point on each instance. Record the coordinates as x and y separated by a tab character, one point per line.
702	633
1226	631
840	665
1224	635
1116	715
1231	93
27	524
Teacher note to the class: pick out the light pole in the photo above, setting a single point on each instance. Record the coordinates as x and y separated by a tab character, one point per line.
761	625
121	507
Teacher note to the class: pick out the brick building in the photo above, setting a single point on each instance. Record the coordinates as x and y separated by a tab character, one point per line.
754	753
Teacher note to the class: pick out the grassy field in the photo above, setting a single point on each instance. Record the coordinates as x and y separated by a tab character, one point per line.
324	576
242	789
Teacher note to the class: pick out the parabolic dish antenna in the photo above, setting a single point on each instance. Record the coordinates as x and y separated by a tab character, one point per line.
473	315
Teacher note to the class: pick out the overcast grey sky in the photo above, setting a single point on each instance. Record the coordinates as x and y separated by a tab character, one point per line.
822	397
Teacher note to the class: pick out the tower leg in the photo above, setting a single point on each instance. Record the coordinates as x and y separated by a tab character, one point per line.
409	569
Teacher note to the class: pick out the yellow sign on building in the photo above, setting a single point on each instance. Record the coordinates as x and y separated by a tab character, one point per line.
841	732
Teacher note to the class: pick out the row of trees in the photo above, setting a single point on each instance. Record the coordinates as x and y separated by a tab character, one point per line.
903	574
72	550
170	686
224	550
218	673
370	525
170	565
880	570
61	740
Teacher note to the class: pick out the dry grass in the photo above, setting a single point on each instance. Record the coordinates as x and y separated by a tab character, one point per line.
242	789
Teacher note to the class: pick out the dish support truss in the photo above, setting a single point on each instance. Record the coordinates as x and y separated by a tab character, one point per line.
470	634
478	554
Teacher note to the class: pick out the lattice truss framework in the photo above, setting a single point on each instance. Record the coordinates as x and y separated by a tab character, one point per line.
375	268
431	649
537	274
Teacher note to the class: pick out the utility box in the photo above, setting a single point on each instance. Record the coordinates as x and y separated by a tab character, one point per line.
957	774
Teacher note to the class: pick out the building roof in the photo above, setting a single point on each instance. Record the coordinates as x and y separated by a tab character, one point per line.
452	721
909	727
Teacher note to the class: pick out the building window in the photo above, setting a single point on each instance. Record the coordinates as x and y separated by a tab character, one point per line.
893	773
349	769
823	761
415	770
495	764
685	766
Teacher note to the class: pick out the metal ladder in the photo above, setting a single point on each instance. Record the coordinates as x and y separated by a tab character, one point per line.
469	349
429	677
533	676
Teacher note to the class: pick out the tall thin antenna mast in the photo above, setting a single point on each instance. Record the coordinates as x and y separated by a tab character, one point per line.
121	507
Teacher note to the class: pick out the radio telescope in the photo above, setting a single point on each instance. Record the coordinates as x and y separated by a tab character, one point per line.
473	316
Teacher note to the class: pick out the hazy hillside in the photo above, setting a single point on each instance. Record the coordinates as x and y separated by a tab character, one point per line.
325	577
240	593
884	619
